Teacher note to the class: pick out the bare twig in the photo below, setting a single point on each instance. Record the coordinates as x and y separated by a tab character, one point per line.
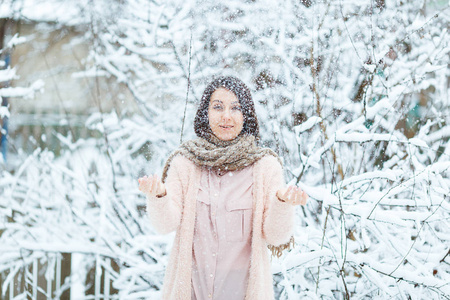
417	236
319	107
180	63
187	90
321	246
434	288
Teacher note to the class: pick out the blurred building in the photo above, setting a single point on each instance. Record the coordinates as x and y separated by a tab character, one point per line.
56	55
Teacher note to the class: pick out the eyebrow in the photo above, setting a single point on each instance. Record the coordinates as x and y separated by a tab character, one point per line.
220	101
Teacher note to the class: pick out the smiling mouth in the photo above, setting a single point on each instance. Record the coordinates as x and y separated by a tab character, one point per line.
226	127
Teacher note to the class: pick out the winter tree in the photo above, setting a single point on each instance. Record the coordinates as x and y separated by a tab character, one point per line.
354	96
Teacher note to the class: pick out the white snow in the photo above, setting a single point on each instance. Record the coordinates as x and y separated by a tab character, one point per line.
7	75
376	169
21	91
307	124
4	112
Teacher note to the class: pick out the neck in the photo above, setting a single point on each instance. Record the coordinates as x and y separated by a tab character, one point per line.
221	143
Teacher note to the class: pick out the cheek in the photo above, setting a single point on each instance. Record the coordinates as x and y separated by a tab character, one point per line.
212	119
240	121
213	122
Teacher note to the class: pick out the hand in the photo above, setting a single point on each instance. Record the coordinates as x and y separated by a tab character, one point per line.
292	195
152	186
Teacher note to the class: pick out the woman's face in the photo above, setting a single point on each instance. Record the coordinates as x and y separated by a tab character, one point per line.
225	114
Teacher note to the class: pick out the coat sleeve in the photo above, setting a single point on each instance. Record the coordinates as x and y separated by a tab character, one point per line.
165	212
278	217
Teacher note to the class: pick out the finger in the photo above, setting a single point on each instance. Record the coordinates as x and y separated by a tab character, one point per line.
141	181
146	183
142	185
301	194
293	196
154	184
300	197
287	193
304	198
297	197
157	185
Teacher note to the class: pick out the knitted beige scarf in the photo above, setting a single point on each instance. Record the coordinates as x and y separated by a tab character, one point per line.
221	155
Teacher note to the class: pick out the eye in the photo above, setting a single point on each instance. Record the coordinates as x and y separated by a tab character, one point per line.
217	107
237	108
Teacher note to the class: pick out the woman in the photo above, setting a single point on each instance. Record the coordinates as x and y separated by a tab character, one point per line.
226	199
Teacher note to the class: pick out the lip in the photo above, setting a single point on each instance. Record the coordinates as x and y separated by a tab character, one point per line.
226	127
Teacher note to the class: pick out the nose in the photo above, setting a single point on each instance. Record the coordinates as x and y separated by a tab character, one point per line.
226	114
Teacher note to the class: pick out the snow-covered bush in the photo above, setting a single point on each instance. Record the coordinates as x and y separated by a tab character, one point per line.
352	95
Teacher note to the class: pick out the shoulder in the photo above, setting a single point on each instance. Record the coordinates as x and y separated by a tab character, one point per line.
269	161
268	166
268	172
180	169
182	163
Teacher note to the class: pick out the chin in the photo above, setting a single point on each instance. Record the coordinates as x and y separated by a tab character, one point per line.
227	137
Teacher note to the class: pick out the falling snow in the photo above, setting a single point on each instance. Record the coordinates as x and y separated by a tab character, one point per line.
353	96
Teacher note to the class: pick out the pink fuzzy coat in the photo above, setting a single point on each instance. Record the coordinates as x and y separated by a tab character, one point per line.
273	223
